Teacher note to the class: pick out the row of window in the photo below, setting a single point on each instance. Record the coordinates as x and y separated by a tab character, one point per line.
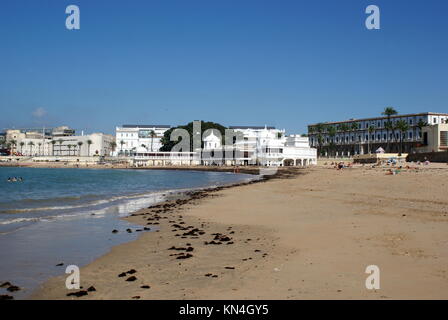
410	121
373	137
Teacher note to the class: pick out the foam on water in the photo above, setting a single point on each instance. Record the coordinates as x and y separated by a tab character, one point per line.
67	215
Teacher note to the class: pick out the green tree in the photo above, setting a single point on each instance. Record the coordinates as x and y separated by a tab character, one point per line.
388	112
152	134
420	125
80	143
60	141
332	134
113	146
121	146
13	144
167	144
21	146
319	129
89	142
354	127
53	142
370	130
31	145
402	126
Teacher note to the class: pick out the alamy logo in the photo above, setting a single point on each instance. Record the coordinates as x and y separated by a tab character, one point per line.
373	280
73	20
73	280
373	20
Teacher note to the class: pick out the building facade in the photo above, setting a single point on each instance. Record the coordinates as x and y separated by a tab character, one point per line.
363	136
60	141
435	139
132	139
265	146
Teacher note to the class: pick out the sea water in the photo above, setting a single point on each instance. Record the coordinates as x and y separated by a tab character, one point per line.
65	215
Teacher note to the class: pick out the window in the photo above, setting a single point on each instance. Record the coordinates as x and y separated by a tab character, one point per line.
378	137
410	135
435	120
443	138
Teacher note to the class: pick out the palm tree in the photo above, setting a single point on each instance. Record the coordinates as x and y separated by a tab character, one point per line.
389	127
354	127
320	128
388	112
420	125
152	134
402	126
13	144
345	129
80	143
53	142
121	145
332	134
60	141
113	145
40	145
31	144
370	130
89	142
69	146
21	146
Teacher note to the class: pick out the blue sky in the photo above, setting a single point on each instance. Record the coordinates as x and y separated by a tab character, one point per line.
245	62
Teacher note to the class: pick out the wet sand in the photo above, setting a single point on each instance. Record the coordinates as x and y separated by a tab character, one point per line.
310	236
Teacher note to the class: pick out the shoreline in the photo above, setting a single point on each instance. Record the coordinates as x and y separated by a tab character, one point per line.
177	202
308	237
170	196
242	169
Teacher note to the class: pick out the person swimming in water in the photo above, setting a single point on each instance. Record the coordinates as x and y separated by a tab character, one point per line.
15	179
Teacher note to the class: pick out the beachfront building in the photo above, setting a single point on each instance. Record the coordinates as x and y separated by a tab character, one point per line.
269	146
90	145
435	139
59	141
138	139
363	136
265	146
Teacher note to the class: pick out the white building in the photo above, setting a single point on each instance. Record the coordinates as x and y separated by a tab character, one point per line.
133	139
264	146
95	144
363	136
59	141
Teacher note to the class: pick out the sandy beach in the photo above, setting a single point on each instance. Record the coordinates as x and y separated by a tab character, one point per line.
310	235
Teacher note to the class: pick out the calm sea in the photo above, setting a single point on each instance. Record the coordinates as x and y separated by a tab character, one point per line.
67	215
